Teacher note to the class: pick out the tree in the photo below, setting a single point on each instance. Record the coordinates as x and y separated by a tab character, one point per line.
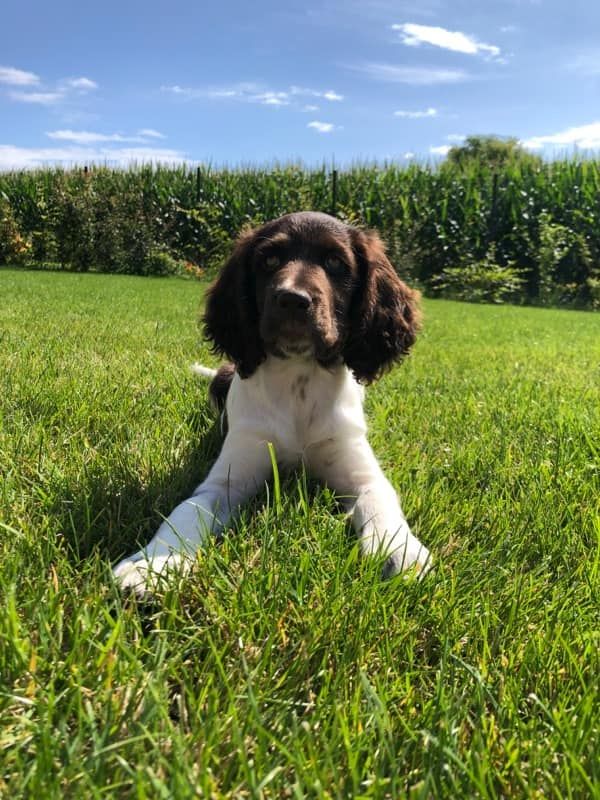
490	151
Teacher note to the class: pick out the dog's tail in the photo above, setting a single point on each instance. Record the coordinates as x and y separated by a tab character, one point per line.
205	372
220	381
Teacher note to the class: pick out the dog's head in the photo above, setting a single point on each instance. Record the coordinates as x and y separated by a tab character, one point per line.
307	284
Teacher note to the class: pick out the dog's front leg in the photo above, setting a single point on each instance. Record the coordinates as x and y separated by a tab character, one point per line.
352	471
239	472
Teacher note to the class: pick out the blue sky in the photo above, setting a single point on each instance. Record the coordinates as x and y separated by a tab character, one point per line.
237	82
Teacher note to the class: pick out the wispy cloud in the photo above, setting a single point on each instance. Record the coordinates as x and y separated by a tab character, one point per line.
444	149
89	137
253	93
321	127
415	35
12	157
38	98
586	64
417	76
32	91
82	84
271	98
429	112
333	97
151	133
18	77
585	137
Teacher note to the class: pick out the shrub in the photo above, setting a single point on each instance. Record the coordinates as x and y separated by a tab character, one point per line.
564	254
485	281
159	262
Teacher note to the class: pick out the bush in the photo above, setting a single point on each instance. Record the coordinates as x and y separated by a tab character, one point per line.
483	282
159	262
564	254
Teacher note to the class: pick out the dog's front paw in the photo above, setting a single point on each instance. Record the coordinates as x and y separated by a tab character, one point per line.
143	576
412	559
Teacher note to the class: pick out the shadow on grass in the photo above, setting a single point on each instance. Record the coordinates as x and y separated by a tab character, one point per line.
113	509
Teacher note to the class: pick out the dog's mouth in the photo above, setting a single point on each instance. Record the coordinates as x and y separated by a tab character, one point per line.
299	348
290	340
302	341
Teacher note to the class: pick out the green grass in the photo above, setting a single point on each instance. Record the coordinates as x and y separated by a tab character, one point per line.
283	667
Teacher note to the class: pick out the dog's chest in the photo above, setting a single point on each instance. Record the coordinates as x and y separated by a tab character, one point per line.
297	404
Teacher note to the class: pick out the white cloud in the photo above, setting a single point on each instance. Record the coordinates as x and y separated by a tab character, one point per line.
41	95
150	133
177	90
253	93
408	156
309	108
442	150
456	138
417	76
12	157
330	95
429	112
585	137
586	64
216	93
39	98
89	137
83	84
243	91
415	35
18	77
271	99
321	127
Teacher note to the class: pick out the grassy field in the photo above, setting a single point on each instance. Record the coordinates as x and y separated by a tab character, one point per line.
283	667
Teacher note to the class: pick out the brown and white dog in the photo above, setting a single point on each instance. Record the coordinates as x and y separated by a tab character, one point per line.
307	308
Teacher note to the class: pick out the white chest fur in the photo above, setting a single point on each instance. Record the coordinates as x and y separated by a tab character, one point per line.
295	403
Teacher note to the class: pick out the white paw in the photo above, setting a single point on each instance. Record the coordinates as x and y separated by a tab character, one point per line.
144	576
413	559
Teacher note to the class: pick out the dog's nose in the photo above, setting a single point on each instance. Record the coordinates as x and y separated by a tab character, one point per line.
293	300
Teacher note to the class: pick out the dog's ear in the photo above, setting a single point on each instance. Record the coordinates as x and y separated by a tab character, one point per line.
231	315
384	315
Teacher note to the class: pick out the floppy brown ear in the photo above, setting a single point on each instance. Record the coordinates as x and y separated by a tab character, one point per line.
384	316
231	314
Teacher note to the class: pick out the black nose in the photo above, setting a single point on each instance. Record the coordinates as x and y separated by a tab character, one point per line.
292	300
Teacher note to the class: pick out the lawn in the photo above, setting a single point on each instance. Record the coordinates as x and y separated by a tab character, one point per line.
283	666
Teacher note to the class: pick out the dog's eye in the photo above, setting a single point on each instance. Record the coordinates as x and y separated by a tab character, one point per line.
334	263
272	261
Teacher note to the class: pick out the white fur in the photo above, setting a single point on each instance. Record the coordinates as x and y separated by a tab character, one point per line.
310	415
204	372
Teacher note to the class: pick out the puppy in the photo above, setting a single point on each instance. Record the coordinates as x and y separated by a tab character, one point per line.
307	309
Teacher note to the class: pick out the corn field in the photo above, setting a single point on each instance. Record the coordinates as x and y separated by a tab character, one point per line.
526	233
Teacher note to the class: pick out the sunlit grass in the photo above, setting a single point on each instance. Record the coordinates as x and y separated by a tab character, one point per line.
283	666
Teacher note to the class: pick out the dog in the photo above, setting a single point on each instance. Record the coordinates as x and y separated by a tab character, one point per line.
308	310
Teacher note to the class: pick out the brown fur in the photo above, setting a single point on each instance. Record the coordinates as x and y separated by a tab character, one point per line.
219	386
307	281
